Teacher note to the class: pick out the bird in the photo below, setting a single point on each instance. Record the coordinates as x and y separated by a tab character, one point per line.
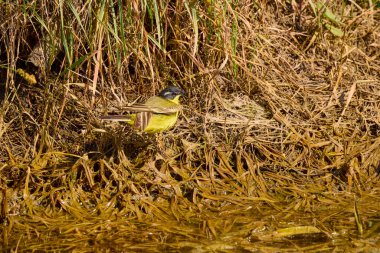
159	113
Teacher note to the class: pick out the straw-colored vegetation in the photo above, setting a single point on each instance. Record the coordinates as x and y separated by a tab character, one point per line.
277	146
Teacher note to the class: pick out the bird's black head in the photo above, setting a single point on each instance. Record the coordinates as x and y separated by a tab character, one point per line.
171	92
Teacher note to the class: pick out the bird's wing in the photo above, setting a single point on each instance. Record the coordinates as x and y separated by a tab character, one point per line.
142	120
155	105
116	117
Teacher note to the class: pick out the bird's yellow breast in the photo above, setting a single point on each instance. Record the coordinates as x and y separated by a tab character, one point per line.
161	122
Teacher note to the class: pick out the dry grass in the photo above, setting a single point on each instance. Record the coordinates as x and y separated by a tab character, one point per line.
278	145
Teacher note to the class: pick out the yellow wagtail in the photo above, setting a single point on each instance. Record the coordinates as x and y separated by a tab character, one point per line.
157	114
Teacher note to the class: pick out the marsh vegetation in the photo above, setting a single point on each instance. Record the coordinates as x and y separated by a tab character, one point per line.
277	145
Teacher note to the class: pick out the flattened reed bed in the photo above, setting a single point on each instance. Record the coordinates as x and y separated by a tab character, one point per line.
277	145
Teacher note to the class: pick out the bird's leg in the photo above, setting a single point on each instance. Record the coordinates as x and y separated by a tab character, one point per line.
160	144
